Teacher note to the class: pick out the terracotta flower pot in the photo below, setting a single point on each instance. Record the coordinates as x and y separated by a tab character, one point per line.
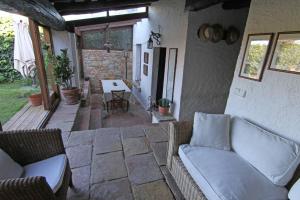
35	99
71	95
163	110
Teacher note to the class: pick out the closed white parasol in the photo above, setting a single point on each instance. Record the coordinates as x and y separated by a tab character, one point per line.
24	60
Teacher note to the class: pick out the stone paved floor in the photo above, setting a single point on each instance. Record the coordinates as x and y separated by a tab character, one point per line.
120	164
118	118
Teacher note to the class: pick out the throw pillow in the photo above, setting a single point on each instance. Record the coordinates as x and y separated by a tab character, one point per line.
211	130
9	168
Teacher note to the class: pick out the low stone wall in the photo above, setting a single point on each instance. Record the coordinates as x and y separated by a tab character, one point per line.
98	64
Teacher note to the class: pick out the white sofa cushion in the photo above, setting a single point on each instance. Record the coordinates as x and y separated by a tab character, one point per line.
8	167
275	157
294	193
53	169
211	130
223	175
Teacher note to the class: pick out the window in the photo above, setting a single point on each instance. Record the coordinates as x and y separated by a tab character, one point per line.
127	11
84	16
93	39
120	38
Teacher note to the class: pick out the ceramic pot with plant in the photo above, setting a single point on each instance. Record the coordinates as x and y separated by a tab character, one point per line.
164	106
35	99
63	76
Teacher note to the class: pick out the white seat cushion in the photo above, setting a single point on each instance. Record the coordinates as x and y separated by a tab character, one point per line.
223	175
53	169
8	167
211	130
275	157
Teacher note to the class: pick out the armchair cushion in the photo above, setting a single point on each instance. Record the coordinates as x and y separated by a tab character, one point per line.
294	193
8	167
223	175
53	169
211	130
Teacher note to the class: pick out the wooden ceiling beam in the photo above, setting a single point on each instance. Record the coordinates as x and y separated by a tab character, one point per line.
102	20
40	11
236	4
195	5
98	6
105	25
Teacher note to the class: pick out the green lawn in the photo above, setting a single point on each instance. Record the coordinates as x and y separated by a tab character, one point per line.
13	96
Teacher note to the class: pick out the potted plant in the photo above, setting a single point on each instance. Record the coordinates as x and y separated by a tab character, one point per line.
35	99
164	106
63	75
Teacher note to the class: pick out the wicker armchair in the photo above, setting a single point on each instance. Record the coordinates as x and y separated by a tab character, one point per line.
27	147
181	133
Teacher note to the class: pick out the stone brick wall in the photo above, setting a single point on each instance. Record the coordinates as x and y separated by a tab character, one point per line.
98	64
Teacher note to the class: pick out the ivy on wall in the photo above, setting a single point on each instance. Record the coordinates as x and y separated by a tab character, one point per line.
7	72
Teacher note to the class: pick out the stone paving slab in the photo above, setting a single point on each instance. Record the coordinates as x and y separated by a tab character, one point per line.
112	190
142	169
164	126
65	136
134	146
63	126
108	166
81	181
107	140
157	190
80	155
160	152
81	138
172	184
156	134
132	132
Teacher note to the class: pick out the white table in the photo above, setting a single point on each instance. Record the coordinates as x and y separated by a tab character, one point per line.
108	86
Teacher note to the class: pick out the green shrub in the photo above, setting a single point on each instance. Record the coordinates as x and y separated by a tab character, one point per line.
7	72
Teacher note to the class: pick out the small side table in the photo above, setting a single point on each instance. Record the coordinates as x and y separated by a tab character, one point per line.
158	118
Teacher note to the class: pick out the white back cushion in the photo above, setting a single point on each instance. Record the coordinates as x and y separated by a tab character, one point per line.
294	193
211	130
275	157
8	167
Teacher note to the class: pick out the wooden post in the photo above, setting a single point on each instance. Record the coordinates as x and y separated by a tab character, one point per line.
39	61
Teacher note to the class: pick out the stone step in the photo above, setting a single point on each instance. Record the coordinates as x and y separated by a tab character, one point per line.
95	119
82	121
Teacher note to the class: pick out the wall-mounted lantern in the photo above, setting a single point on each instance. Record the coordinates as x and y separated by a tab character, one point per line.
156	37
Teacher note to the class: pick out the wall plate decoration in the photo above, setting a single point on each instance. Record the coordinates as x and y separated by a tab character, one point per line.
171	73
286	54
146	57
145	70
256	55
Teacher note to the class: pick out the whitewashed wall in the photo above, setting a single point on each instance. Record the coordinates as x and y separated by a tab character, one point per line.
275	101
170	15
209	67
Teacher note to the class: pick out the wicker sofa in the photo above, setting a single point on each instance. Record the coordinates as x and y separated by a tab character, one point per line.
30	146
181	133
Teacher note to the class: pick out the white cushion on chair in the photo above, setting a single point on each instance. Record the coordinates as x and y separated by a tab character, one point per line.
53	169
8	167
294	193
211	130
